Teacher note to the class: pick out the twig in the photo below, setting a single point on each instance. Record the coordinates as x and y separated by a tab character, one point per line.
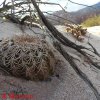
82	4
95	51
59	36
76	69
60	17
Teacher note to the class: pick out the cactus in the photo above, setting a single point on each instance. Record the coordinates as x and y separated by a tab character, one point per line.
27	56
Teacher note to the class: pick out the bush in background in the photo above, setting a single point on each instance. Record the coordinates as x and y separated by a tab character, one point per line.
94	21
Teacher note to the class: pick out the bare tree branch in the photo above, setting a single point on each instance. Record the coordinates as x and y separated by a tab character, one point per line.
77	70
95	51
67	42
60	17
82	4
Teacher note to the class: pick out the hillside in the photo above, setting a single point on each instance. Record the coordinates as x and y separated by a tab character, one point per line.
78	16
93	21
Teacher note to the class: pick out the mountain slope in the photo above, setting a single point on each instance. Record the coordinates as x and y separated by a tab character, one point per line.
78	16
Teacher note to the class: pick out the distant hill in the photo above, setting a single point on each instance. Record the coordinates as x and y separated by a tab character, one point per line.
78	16
94	21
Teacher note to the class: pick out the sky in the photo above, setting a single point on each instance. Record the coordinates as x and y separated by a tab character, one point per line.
70	6
63	3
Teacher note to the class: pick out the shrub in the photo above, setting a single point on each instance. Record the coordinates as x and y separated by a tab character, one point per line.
94	21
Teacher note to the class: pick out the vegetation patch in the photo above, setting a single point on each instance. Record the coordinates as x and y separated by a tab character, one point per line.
94	21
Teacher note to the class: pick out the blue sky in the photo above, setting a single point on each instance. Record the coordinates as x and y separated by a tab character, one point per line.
70	6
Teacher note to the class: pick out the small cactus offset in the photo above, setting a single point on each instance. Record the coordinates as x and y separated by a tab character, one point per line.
76	31
27	56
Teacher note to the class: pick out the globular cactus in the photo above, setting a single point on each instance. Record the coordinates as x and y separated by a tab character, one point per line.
27	56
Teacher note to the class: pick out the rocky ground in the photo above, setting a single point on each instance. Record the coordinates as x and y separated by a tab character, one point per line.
65	84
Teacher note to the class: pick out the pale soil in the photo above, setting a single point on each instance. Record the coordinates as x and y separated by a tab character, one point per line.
69	86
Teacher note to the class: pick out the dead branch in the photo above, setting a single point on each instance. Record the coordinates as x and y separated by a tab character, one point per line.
95	51
77	70
3	3
60	17
55	20
82	4
54	31
12	18
7	7
65	41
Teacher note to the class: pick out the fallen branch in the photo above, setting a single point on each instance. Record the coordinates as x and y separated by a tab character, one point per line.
77	70
67	42
95	51
60	17
7	7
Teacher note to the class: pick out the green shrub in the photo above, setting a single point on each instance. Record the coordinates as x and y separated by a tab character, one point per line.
94	21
